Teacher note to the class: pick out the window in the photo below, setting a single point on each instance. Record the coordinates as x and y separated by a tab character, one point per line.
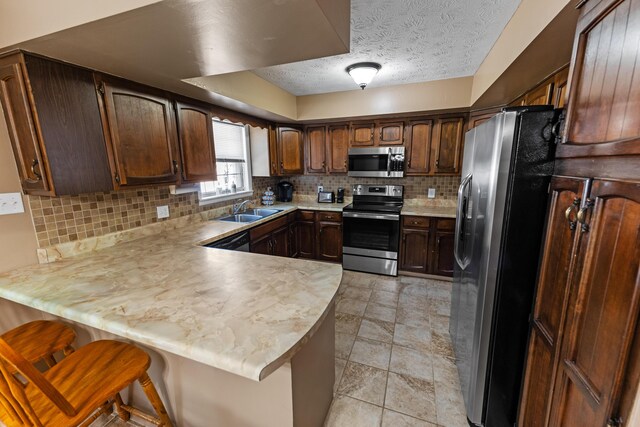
232	164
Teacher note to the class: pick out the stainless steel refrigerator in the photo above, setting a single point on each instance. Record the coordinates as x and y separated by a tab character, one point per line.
502	199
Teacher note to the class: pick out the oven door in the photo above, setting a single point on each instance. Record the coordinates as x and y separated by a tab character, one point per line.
371	234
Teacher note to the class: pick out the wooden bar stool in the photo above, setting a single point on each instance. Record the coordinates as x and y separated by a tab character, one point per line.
40	339
77	389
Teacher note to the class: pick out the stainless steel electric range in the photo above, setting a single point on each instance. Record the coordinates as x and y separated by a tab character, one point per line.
371	229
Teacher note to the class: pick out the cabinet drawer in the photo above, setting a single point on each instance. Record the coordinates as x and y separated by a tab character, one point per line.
306	215
329	216
415	222
261	230
446	224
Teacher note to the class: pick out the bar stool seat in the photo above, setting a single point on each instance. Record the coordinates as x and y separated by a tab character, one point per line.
78	386
40	339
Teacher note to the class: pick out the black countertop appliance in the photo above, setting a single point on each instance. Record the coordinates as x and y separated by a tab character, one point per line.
284	191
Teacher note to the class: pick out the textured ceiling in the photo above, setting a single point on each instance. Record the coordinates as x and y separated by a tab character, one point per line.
413	40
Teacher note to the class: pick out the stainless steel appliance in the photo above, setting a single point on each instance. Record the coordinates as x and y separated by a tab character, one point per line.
371	229
377	162
237	242
502	202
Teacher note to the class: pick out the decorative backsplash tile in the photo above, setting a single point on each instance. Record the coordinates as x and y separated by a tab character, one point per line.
70	218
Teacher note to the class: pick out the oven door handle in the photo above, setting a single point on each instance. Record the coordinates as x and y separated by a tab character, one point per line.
461	218
389	217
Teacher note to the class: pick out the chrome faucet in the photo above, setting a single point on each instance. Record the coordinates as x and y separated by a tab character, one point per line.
238	206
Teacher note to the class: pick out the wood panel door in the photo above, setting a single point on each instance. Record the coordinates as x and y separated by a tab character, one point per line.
329	245
195	131
418	146
604	311
294	251
22	129
552	294
414	250
541	95
442	250
362	135
316	150
389	133
262	245
307	239
446	146
280	242
142	130
290	151
604	98
560	81
338	148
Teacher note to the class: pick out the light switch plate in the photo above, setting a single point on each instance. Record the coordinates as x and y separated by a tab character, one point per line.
320	188
431	193
11	203
163	211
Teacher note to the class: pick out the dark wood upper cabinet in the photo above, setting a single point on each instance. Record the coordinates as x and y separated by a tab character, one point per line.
389	133
338	148
362	135
476	118
54	124
316	149
560	80
418	147
542	95
290	151
604	97
447	146
143	138
197	150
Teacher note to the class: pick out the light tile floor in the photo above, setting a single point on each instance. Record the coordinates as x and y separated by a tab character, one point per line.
394	360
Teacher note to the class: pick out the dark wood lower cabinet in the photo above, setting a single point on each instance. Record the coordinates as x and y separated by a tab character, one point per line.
306	234
329	241
294	252
261	245
426	245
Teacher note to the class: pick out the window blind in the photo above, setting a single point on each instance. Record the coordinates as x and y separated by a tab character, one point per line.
229	142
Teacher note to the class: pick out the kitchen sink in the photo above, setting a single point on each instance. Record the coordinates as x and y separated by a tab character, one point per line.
262	211
240	218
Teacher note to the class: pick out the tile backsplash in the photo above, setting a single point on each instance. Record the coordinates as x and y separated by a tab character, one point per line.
69	218
415	187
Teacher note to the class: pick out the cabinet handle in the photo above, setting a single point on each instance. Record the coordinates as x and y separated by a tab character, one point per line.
614	422
175	167
380	134
571	219
582	215
323	165
281	166
345	164
117	177
415	222
404	237
437	162
35	173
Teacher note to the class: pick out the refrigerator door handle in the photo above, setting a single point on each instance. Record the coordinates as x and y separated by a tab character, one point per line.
461	218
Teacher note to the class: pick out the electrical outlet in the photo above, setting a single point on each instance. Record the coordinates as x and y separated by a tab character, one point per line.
320	188
431	193
163	211
11	203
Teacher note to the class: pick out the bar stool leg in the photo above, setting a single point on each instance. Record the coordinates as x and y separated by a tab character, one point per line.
122	413
154	398
49	360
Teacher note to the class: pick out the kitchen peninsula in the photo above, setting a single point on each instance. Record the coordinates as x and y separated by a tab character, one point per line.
236	338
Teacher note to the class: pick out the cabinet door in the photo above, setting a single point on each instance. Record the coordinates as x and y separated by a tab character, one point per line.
280	242
294	252
414	250
447	144
604	310
22	131
552	293
362	134
290	151
263	245
143	134
442	252
195	129
389	133
477	118
338	148
560	88
307	239
329	241
274	167
602	114
316	150
418	147
541	95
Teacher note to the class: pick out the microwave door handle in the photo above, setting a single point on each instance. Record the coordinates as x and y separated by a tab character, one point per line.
389	162
461	219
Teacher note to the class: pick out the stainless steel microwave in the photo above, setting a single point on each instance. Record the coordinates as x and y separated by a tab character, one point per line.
378	162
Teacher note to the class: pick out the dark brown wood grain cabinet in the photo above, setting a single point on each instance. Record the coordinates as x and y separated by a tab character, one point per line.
426	245
306	234
329	236
271	238
442	260
54	124
447	146
294	251
197	150
418	146
141	125
389	133
338	148
362	135
316	150
290	151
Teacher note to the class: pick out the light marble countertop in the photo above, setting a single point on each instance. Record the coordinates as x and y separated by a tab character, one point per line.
240	312
434	211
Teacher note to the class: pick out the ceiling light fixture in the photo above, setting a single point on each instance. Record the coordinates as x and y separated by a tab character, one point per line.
363	72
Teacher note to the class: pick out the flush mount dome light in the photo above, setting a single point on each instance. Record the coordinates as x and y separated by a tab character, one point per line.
363	72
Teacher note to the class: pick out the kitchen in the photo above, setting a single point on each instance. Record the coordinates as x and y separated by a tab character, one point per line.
91	247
